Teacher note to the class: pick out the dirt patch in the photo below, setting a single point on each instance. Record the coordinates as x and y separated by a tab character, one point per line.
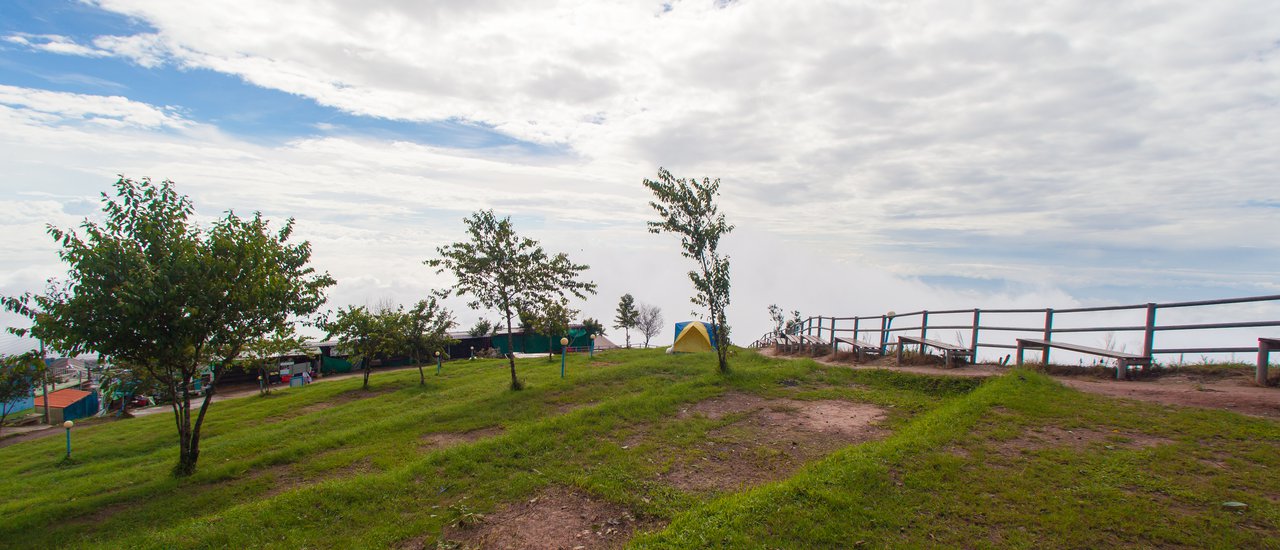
1232	394
556	518
1077	440
773	439
443	440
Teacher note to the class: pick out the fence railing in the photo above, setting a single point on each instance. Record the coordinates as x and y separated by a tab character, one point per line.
999	329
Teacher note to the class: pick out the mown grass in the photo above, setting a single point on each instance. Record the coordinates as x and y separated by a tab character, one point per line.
332	466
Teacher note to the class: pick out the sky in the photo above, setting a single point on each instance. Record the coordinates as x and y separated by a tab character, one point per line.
872	155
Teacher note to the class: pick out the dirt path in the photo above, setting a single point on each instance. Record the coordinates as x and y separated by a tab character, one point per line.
1234	393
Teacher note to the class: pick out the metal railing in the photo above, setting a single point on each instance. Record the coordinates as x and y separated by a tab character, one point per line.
983	324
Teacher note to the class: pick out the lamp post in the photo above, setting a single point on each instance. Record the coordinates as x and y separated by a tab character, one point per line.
473	352
888	324
591	353
564	350
260	389
437	363
68	424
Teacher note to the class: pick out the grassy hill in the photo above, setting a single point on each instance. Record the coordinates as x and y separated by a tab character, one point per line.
658	451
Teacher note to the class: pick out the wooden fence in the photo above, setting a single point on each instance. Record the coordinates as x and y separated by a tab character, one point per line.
993	329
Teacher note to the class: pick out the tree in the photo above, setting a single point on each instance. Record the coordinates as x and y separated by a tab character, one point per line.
775	316
552	321
260	353
426	331
592	326
365	336
626	318
687	208
151	289
505	272
482	328
18	375
649	321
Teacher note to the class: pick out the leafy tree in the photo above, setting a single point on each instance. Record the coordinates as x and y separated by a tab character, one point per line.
592	326
18	375
553	321
687	208
150	288
426	330
505	272
365	336
775	316
793	324
260	353
482	328
627	316
649	321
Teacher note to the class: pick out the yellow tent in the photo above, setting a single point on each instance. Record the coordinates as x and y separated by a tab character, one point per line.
692	338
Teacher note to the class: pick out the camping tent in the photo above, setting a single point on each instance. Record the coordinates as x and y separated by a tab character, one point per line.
694	336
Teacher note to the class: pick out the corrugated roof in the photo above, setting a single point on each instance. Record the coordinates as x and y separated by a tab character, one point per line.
62	398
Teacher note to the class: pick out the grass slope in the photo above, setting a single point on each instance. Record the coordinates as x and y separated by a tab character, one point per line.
331	466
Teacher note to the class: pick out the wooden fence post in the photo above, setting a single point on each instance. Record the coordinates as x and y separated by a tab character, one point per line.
924	327
973	341
1048	331
884	333
834	349
1149	335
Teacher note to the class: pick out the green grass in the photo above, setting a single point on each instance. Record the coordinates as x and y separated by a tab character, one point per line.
331	466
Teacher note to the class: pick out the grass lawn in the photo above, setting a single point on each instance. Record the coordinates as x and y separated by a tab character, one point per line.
1015	461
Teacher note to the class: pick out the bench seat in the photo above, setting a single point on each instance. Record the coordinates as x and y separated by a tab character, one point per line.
1125	360
949	351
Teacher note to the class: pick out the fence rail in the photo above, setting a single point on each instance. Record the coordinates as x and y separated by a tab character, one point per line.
879	329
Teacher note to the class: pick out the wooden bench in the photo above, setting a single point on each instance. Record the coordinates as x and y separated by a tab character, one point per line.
1265	347
1124	360
949	351
862	349
814	343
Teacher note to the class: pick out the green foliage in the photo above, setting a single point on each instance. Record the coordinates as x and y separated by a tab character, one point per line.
18	376
482	328
260	353
150	288
552	320
364	336
688	209
425	331
593	326
502	271
628	316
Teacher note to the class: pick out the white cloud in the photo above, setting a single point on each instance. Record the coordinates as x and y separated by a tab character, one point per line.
1063	144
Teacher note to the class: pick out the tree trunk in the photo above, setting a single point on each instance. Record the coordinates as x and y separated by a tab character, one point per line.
511	355
422	377
628	331
187	453
365	362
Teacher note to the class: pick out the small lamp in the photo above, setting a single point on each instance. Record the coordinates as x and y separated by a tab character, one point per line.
592	352
437	362
564	349
68	424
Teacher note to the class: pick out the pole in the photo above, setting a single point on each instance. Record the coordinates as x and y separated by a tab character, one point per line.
44	382
68	425
973	345
438	363
1048	330
563	352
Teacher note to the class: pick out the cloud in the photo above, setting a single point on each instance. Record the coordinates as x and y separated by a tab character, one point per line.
1068	146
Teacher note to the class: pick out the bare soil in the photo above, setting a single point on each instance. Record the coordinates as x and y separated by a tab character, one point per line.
1234	393
557	518
772	440
1078	440
443	440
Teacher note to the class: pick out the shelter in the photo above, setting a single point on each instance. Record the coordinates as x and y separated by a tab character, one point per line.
68	404
694	336
528	341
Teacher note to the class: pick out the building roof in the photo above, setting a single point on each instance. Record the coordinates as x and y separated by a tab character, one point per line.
62	398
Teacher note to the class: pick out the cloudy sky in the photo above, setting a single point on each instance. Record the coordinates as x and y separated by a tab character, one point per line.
873	155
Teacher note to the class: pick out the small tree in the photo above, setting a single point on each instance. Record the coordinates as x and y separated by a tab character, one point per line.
426	328
18	376
687	208
505	272
261	353
482	328
151	289
592	326
775	316
649	321
627	316
364	336
552	321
